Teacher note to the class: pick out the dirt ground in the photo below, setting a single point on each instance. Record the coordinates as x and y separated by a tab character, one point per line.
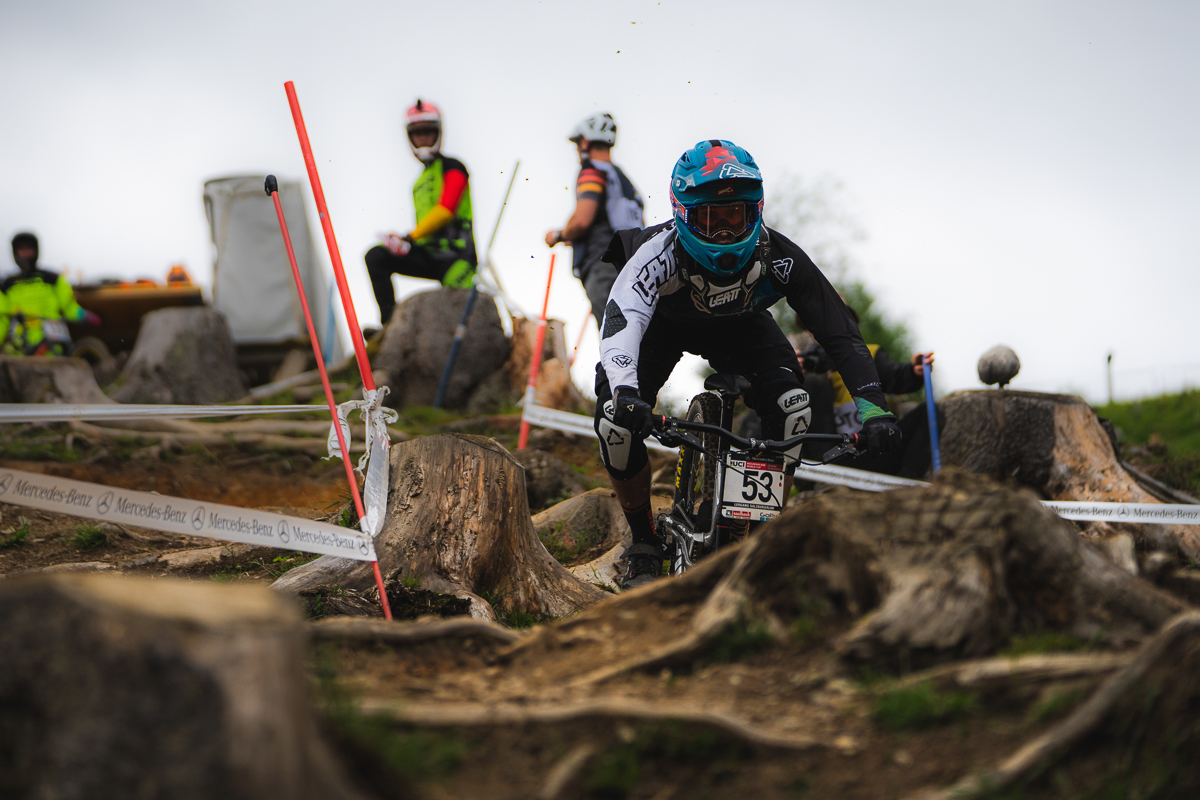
473	718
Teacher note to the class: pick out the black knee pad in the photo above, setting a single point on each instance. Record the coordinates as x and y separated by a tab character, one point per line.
783	405
624	454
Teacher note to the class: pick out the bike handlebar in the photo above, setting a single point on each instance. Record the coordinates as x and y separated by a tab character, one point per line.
669	428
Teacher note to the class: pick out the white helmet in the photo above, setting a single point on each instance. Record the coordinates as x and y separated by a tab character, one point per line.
596	128
424	116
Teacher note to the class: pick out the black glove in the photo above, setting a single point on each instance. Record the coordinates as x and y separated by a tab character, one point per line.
633	413
882	435
814	359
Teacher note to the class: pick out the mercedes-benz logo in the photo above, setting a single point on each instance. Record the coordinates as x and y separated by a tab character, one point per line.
105	503
198	518
284	536
362	548
5	482
1122	511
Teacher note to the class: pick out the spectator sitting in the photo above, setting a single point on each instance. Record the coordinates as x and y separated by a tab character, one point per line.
39	304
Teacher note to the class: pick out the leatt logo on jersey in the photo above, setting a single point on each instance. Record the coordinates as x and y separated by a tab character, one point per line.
622	360
724	297
782	269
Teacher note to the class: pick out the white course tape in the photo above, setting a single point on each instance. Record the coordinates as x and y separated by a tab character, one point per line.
854	478
1158	513
570	423
179	515
96	412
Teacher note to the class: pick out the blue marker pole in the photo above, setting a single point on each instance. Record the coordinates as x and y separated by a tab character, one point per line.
933	431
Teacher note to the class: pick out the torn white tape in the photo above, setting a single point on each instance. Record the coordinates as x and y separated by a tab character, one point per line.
95	412
374	459
182	516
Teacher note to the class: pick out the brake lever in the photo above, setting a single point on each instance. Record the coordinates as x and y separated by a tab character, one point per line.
850	446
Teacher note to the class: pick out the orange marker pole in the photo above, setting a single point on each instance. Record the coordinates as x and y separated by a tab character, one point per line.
535	364
360	346
579	341
272	188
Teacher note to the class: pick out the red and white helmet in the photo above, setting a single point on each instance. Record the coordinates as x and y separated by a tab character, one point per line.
424	116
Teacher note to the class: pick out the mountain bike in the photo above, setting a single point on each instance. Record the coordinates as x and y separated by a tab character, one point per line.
723	482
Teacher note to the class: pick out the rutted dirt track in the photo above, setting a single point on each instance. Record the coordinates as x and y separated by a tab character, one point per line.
707	686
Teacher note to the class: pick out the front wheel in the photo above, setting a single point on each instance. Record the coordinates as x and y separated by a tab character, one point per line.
696	473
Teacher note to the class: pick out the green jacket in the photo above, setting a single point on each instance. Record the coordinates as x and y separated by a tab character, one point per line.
29	301
456	235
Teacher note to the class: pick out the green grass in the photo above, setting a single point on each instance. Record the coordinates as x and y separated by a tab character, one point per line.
1175	418
742	640
18	536
1056	704
1043	642
615	772
921	705
390	754
410	582
89	536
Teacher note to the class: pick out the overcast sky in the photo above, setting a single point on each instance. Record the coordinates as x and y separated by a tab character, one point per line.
1025	172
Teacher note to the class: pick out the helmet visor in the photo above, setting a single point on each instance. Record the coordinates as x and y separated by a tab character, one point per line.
722	223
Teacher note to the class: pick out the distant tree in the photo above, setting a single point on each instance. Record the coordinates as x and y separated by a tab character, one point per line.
812	213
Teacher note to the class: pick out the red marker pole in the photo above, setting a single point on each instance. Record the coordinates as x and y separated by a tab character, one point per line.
360	346
272	188
535	364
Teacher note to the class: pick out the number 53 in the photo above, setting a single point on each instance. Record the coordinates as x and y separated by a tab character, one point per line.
756	485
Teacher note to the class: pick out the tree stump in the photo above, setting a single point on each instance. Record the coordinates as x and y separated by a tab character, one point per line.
124	687
182	355
554	386
416	345
458	521
48	380
1055	444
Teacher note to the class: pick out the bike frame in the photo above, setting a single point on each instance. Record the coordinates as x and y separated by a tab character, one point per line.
670	431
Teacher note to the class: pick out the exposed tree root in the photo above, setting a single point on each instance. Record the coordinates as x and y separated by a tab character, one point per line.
353	629
993	673
1085	719
491	714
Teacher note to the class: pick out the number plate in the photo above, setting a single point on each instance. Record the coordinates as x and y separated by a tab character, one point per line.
753	488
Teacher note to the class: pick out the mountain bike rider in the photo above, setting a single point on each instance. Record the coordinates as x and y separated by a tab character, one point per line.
442	246
702	283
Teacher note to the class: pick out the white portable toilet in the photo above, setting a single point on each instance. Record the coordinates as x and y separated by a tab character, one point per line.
252	282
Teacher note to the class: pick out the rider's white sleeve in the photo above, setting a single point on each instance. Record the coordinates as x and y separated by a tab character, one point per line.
648	274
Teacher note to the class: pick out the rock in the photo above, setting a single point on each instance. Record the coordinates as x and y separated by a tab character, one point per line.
182	355
998	366
416	345
1053	443
547	478
584	527
493	394
48	380
126	687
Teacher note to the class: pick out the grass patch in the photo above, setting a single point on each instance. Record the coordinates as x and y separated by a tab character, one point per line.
616	772
921	705
740	641
1056	704
1043	642
89	536
410	582
509	617
382	752
17	536
1175	418
288	561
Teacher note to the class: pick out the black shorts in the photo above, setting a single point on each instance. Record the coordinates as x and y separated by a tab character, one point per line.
752	346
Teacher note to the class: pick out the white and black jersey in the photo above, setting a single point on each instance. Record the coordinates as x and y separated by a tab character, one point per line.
651	284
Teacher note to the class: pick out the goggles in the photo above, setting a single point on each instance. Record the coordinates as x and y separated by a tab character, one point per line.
728	221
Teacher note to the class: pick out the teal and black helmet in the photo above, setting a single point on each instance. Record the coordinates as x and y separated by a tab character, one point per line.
717	197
